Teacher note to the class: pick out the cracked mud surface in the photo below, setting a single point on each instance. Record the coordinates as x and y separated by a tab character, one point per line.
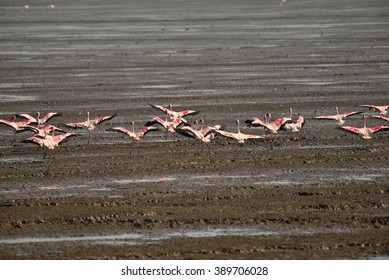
321	194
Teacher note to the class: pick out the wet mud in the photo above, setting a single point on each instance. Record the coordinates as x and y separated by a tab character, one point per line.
321	193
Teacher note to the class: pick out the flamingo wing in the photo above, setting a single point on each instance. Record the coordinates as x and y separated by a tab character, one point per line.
158	107
255	122
103	119
49	116
29	117
185	132
351	114
251	136
227	134
76	125
378	128
120	129
352	129
188	112
326	117
60	138
156	120
34	140
146	130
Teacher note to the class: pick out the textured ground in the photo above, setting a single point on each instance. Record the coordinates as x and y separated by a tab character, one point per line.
321	194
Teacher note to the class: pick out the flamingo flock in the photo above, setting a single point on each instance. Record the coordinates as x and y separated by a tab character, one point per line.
174	122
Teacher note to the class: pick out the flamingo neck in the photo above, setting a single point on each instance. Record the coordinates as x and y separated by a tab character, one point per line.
133	127
237	122
337	110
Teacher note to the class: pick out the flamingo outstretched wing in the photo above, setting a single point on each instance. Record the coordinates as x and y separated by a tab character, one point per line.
255	122
103	119
75	125
378	128
352	129
146	130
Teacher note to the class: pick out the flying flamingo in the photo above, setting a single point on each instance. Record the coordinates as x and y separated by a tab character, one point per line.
131	133
204	136
338	117
174	114
90	124
365	132
383	110
50	142
271	127
239	136
39	120
292	125
170	126
385	118
51	7
17	126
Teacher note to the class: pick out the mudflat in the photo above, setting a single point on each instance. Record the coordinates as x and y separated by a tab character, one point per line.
322	193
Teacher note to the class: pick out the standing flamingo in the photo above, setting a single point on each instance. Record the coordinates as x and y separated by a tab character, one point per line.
50	142
90	124
17	126
174	114
239	136
365	132
338	117
39	120
131	133
383	110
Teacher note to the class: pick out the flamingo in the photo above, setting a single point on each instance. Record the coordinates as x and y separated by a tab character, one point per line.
203	136
365	132
170	126
39	120
174	114
17	126
293	126
338	117
239	136
385	118
90	124
131	133
383	110
50	142
51	7
271	127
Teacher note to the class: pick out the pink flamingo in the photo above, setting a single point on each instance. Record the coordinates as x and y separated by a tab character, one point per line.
131	133
50	142
39	120
174	114
338	117
90	124
17	126
292	125
383	110
271	127
239	136
365	132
